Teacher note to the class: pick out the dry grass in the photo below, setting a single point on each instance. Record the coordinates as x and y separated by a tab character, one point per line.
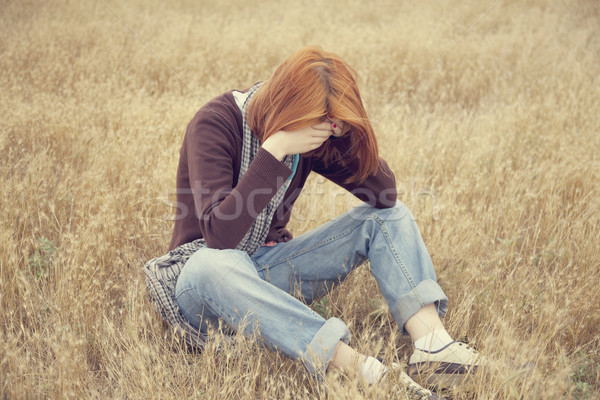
492	129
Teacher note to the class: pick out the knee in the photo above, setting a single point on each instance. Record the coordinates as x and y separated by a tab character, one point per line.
396	213
210	267
400	211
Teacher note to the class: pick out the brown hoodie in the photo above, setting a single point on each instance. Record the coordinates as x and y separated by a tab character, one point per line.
213	205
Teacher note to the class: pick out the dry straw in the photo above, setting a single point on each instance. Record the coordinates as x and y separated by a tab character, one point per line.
494	144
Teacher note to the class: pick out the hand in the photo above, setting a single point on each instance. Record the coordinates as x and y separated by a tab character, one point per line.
338	126
283	143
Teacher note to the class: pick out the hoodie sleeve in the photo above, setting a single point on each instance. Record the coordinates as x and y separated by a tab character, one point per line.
225	209
378	190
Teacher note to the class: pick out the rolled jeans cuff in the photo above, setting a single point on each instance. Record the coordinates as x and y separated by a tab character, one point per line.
425	293
322	346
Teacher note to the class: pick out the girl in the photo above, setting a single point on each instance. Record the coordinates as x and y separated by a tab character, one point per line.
244	160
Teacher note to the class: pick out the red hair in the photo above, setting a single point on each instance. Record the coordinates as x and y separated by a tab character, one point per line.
305	88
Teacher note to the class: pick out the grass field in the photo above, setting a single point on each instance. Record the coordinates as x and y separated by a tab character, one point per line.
487	111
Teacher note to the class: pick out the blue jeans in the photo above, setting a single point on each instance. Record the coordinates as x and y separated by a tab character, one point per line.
268	293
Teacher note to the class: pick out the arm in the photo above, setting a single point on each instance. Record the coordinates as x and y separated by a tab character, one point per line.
212	145
378	190
224	212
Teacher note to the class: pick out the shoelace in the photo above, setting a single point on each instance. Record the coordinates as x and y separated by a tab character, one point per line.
414	387
474	352
468	345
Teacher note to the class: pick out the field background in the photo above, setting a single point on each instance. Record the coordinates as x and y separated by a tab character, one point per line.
487	111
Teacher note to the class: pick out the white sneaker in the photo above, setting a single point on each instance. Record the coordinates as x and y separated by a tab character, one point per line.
450	366
411	388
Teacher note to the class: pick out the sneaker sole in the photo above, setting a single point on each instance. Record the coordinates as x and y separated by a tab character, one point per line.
442	374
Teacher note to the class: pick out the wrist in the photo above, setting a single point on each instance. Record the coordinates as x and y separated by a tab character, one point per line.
271	146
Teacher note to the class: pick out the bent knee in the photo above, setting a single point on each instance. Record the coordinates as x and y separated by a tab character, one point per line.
397	212
208	267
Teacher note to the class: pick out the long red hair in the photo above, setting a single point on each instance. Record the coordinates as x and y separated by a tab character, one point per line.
305	88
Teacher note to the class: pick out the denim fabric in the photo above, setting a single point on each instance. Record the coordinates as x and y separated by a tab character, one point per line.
267	293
